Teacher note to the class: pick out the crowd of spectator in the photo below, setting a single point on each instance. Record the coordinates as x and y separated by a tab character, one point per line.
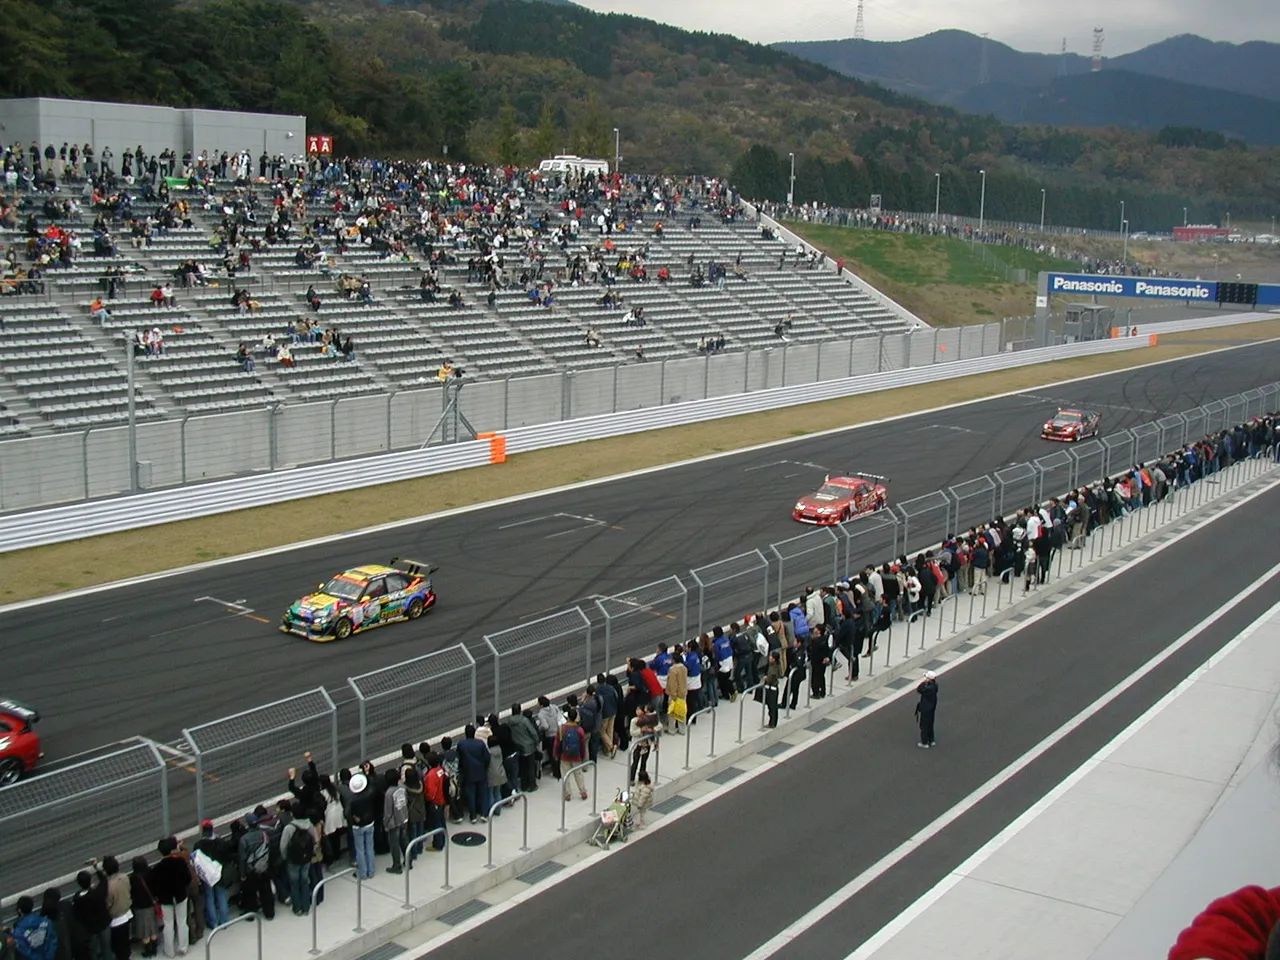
277	855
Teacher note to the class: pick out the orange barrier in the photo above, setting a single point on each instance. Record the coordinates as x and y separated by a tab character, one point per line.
497	446
1152	340
1115	333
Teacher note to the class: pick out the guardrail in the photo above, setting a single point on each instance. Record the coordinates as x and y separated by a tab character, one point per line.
76	521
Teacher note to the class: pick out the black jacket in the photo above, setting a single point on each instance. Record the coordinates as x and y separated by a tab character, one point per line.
928	691
89	907
169	880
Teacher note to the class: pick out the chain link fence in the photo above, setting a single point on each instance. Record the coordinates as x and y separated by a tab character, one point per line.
398	703
1056	473
975	502
731	588
1120	451
637	620
870	539
811	558
242	758
1016	487
534	657
115	802
1090	463
926	521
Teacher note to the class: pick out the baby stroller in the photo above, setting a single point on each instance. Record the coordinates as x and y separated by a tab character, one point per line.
616	822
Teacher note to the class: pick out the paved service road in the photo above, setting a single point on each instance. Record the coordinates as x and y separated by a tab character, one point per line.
149	659
762	855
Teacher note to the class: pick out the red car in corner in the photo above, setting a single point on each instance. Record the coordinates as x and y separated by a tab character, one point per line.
842	498
1070	425
19	742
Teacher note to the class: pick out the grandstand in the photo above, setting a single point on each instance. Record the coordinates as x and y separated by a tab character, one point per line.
61	369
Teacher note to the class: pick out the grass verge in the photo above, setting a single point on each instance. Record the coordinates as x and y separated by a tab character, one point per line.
67	566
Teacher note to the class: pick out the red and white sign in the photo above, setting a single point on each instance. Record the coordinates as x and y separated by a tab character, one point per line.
321	143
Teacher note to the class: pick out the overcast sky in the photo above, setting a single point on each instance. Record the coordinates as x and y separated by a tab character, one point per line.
1024	24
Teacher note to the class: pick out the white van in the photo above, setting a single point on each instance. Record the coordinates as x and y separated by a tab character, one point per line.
568	163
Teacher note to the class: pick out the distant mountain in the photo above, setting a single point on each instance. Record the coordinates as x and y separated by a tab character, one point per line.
947	65
1131	100
1252	68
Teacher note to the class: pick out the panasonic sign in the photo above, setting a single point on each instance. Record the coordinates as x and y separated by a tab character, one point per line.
1142	288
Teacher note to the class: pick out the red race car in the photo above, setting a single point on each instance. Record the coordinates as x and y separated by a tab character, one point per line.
1071	425
19	742
842	498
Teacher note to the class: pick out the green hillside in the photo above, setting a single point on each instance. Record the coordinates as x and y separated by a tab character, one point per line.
510	81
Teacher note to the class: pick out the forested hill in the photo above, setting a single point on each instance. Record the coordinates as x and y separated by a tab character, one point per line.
506	80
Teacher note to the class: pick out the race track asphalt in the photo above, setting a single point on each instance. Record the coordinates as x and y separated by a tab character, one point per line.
150	659
727	877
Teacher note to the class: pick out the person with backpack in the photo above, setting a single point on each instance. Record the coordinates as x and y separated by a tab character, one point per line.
34	936
571	751
298	846
213	867
256	862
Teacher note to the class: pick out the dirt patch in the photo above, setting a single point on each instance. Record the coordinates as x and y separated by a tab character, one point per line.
67	566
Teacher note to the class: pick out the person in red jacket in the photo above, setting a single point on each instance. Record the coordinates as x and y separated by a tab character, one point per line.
1244	925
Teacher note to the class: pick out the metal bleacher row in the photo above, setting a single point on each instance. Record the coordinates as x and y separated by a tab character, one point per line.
61	370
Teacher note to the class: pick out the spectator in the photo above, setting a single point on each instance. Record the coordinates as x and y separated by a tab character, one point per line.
641	798
677	687
571	751
416	809
92	920
244	357
256	861
773	676
213	867
497	777
34	936
435	787
361	813
297	848
609	702
926	708
525	738
146	910
395	818
473	762
119	907
335	820
169	881
645	727
548	719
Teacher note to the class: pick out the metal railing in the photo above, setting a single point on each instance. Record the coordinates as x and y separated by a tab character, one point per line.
254	917
315	919
508	802
565	790
421	843
124	800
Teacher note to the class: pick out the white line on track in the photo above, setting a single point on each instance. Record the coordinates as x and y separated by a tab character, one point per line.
890	698
572	487
984	853
846	893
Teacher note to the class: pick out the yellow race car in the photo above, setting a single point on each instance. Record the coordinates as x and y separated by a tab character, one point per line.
362	598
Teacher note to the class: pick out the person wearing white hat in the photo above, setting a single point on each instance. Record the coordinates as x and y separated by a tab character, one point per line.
926	707
362	816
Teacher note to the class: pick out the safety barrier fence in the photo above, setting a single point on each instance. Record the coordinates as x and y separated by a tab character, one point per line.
58	474
126	799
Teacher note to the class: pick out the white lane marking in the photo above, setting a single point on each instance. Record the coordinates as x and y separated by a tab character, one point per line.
985	852
236	605
837	899
889	697
572	487
585	523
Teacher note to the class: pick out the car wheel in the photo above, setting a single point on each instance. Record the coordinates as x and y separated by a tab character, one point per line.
342	629
10	771
415	609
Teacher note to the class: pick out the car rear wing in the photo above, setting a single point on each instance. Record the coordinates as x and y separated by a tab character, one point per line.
413	567
873	477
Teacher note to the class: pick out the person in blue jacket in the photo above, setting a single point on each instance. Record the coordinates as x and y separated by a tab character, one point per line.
33	937
799	622
693	661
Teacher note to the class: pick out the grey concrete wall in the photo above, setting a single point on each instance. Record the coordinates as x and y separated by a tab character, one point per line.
120	125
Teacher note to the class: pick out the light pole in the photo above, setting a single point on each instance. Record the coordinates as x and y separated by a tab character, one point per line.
791	191
1121	214
937	194
982	203
617	150
1043	197
1184	216
1124	229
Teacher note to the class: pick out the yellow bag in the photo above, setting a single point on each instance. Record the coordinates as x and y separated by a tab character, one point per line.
678	708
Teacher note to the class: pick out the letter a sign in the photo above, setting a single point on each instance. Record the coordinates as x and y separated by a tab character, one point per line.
320	143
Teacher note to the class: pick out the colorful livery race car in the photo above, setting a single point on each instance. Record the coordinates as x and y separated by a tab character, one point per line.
362	598
19	742
1071	425
842	498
